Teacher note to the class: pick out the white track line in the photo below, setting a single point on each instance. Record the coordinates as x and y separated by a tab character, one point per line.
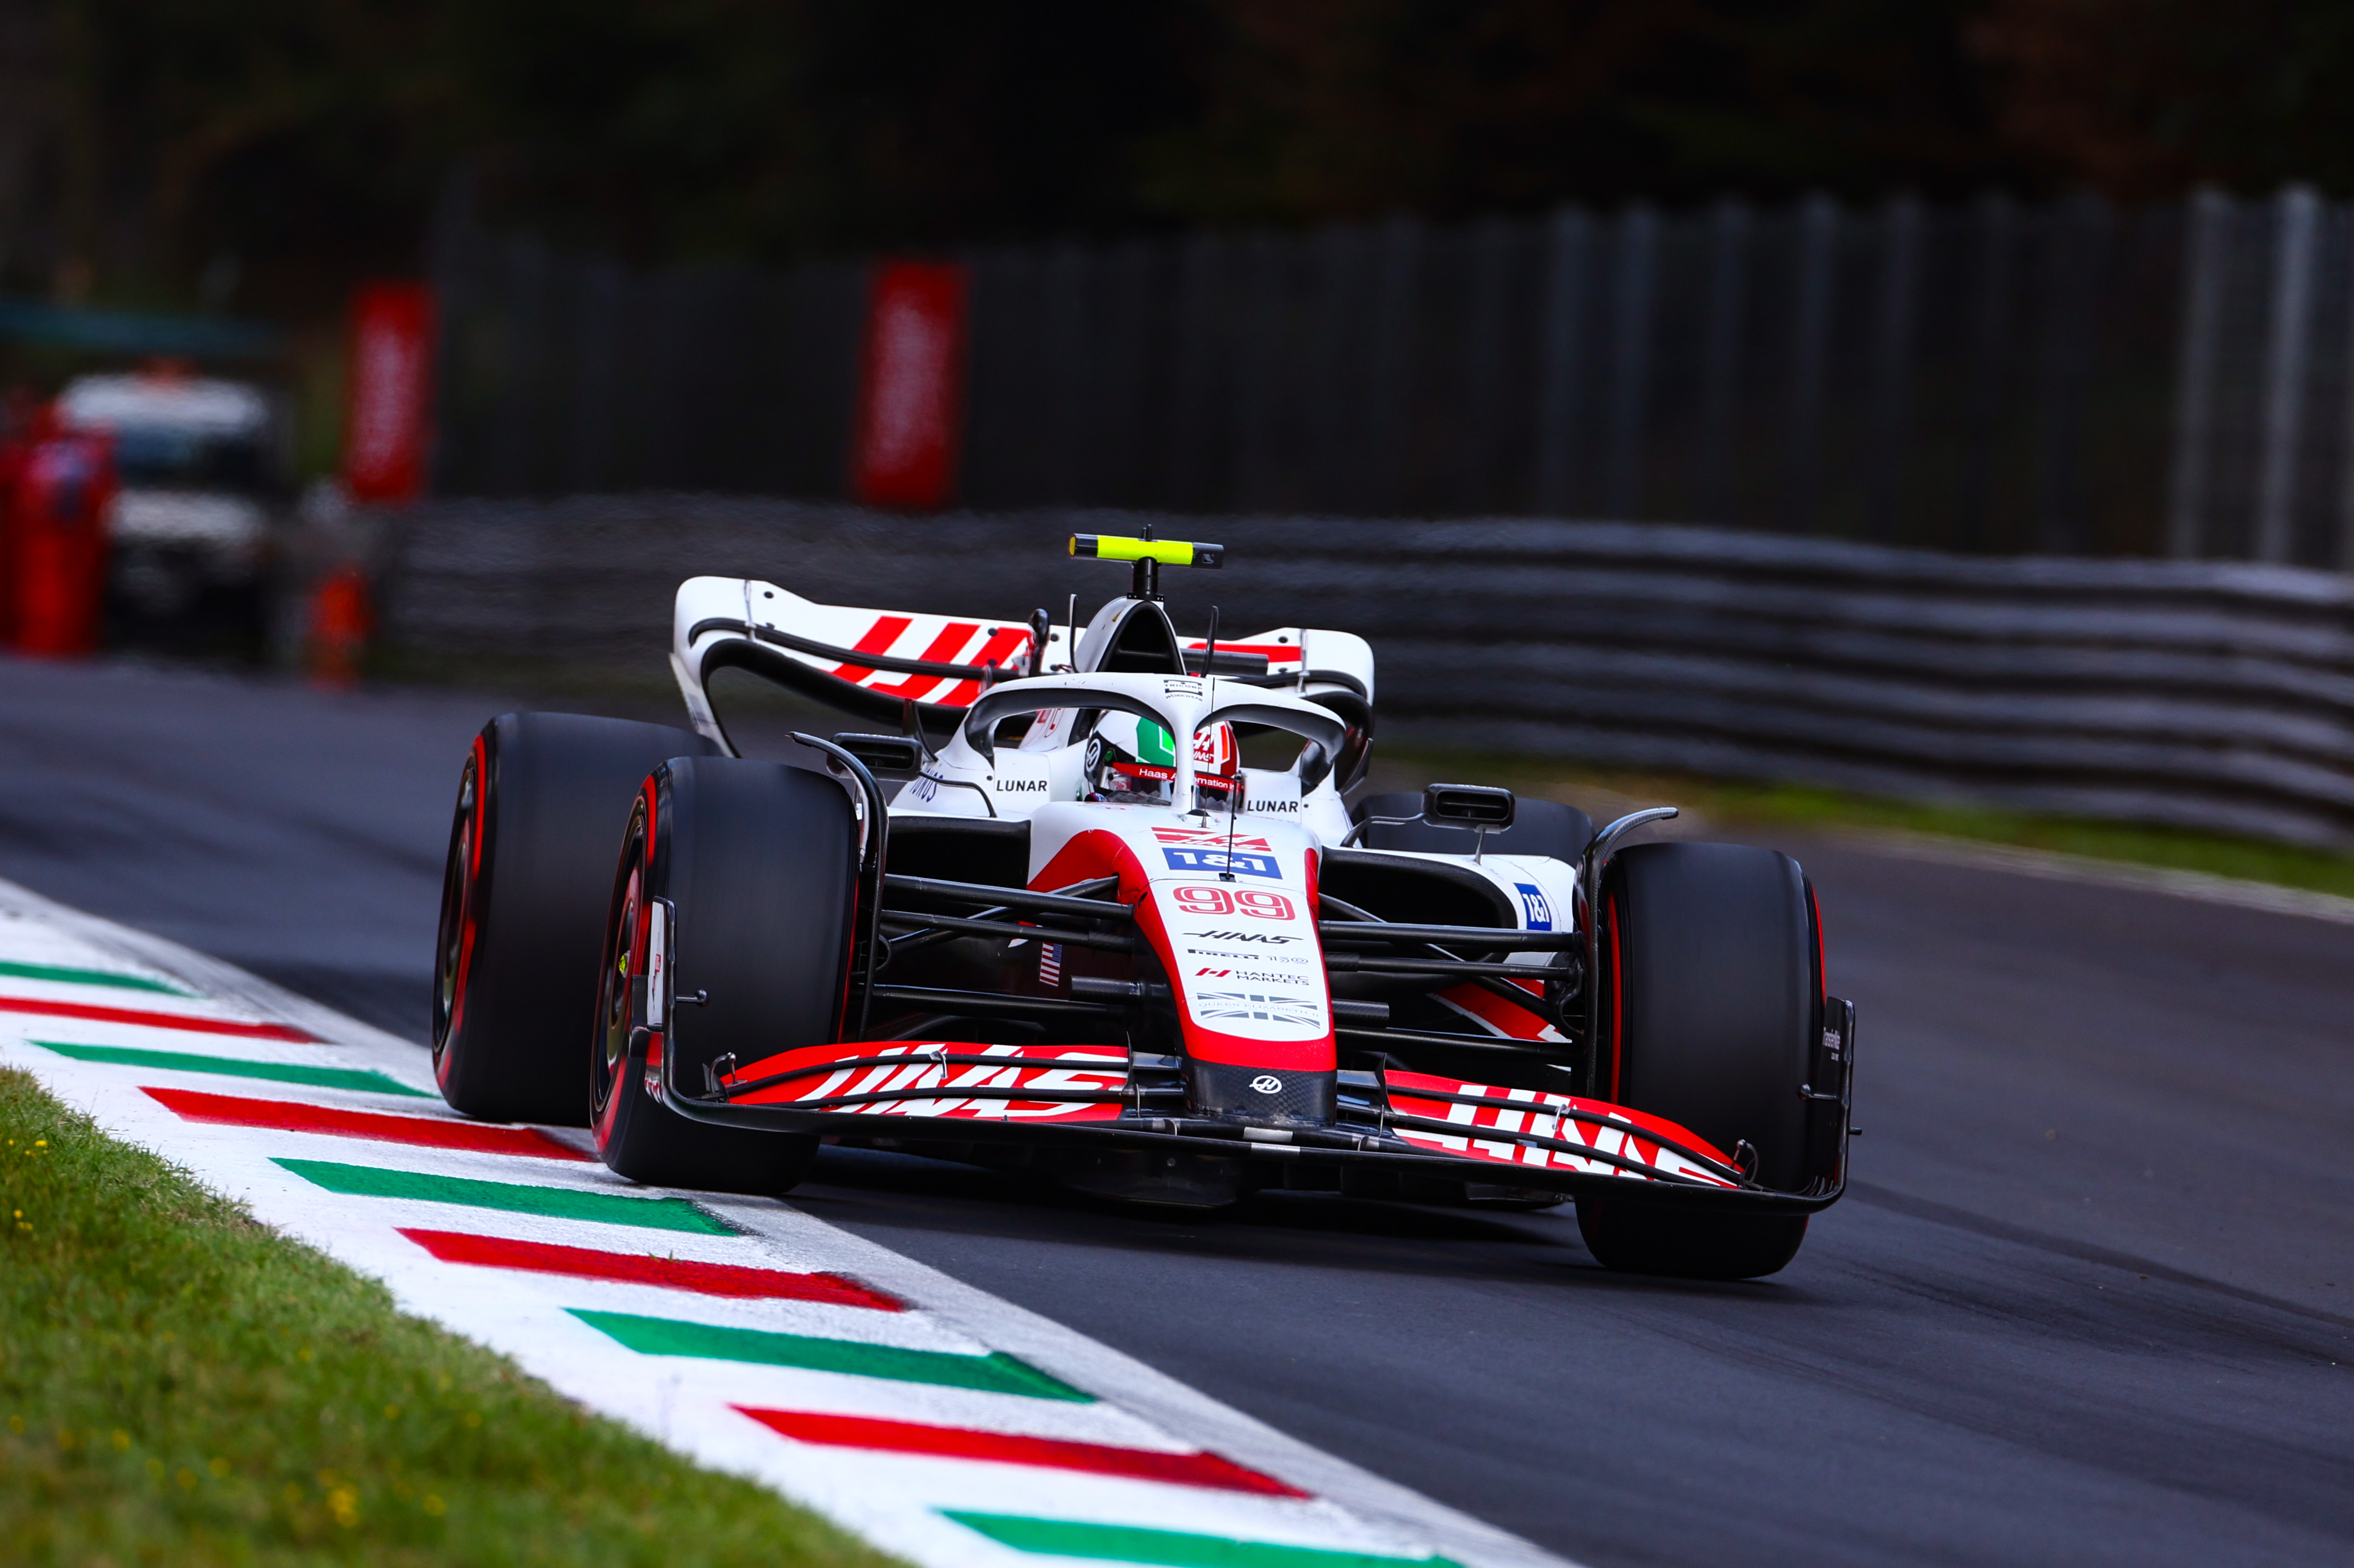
2054	866
895	1499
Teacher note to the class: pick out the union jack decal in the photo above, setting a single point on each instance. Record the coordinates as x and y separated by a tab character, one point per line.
1267	1006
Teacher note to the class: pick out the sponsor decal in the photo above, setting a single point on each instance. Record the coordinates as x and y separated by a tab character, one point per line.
1251	958
1538	1114
1536	908
970	1092
1215	900
1210	838
1200	860
1270	1007
1248	976
924	789
1266	1083
1268	937
657	959
1275	806
1020	786
1185	688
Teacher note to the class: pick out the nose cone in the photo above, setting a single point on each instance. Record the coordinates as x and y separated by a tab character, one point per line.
1260	1093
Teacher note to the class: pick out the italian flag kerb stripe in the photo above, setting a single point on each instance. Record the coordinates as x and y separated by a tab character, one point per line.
1199	1468
1167	1548
995	1372
139	1018
734	1280
361	1078
64	974
419	1131
549	1202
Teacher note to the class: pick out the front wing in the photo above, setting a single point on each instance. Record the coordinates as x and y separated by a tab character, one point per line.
1444	1127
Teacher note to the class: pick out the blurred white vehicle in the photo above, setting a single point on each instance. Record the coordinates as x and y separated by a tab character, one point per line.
198	461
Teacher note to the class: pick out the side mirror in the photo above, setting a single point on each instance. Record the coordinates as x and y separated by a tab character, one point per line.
1469	806
886	756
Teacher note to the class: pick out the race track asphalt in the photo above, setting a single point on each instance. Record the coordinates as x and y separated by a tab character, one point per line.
2091	1298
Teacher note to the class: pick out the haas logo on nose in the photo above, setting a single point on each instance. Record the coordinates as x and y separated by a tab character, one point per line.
1267	1084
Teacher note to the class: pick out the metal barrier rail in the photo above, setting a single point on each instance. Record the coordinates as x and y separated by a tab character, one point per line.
2206	694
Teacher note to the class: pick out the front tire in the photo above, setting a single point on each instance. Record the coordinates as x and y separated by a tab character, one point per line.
523	903
1711	999
759	864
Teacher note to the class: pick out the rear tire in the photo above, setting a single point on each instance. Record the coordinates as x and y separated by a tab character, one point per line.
523	906
1711	1002
759	864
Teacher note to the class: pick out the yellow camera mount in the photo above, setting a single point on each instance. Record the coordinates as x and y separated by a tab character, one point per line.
1149	556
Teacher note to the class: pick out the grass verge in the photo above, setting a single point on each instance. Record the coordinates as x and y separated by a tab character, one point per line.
1721	804
180	1385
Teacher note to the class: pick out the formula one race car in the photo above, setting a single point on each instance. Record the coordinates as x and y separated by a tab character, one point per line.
1118	927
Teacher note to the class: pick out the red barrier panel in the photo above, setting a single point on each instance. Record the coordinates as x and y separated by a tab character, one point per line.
340	619
388	426
62	485
18	424
911	385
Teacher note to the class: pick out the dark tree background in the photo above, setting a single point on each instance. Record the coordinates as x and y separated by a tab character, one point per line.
259	154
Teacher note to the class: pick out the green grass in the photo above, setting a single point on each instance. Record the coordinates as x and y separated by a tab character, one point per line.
180	1385
1737	806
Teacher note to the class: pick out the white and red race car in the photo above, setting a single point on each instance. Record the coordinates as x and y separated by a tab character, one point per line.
1121	927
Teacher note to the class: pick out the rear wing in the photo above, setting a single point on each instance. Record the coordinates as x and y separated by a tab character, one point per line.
873	663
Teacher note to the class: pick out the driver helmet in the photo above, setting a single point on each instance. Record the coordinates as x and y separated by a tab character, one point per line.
1217	769
1132	761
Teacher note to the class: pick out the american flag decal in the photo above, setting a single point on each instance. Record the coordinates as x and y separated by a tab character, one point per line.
1050	965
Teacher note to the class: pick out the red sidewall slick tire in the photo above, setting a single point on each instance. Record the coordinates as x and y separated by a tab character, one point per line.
523	905
1711	1001
758	862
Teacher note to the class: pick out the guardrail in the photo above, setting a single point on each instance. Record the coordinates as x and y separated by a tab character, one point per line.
2206	693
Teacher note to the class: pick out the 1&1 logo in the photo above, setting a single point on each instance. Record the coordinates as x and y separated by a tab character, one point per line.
1536	908
1216	860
